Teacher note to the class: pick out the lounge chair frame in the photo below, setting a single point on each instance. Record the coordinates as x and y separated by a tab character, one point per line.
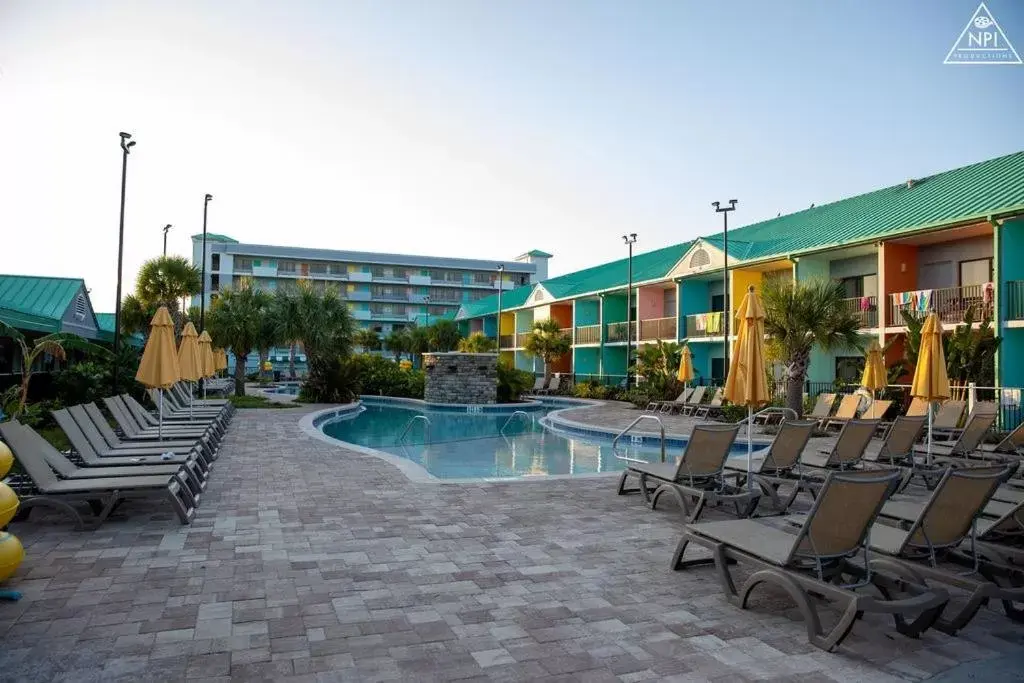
779	461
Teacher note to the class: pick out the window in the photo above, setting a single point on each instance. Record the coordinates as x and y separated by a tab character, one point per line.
318	268
378	271
849	369
975	272
668	309
860	285
243	265
214	282
700	259
400	273
286	267
717	302
718	368
215	262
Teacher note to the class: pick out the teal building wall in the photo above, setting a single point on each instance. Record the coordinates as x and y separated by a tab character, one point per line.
1010	267
587	312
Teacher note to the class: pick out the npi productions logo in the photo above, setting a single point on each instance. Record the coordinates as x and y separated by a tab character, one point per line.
982	42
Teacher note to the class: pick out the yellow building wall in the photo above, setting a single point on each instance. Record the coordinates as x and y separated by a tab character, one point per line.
508	324
741	279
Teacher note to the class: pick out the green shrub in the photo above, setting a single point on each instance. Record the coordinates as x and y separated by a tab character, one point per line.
733	413
512	383
637	396
329	381
379	376
595	390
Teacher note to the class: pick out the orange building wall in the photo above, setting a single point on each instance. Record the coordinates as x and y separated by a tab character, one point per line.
899	262
562	314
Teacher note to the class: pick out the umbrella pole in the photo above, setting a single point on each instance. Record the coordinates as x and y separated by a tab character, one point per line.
160	421
929	458
190	389
750	447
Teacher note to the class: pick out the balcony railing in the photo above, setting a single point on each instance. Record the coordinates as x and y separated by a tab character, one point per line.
617	332
951	303
864	308
711	324
521	339
658	328
1015	300
588	334
507	341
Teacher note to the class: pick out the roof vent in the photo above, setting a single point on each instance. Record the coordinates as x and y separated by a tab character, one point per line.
700	258
80	307
911	183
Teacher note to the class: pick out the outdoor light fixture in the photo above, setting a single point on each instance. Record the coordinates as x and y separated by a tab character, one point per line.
724	210
501	276
126	144
166	229
202	287
630	240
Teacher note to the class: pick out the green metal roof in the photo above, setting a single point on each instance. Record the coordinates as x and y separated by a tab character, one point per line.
214	237
962	195
105	324
36	303
539	253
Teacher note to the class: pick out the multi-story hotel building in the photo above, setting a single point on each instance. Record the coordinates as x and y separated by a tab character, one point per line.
948	243
383	291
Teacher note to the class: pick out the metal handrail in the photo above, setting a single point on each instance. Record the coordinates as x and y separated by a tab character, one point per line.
409	424
770	409
512	417
661	426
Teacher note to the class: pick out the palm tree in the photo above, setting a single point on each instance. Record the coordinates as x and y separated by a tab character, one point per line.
800	315
325	324
419	343
167	281
547	341
289	323
136	315
269	331
397	343
444	336
234	322
367	340
478	342
56	345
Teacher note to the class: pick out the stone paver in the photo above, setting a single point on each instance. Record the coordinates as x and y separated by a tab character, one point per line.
310	562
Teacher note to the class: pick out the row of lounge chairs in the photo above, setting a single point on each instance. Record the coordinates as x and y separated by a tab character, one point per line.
690	402
144	460
862	531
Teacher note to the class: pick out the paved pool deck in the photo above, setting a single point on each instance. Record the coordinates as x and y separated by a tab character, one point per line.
311	562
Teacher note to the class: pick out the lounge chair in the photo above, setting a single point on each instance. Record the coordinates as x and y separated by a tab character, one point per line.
695	400
876	410
183	392
848	449
538	384
1012	443
171	419
947	417
103	494
667	406
1000	536
696	478
556	382
134	432
817	560
705	410
932	539
898	447
171	429
774	469
107	436
967	442
917	408
846	411
174	408
822	407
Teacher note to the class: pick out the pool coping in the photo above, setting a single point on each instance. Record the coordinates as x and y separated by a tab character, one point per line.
311	423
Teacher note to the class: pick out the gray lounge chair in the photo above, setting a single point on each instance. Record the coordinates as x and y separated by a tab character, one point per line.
932	542
775	469
176	409
846	411
110	438
102	494
695	400
666	406
848	449
697	478
817	560
705	410
183	392
556	382
968	441
538	384
947	417
134	433
1011	444
170	429
148	419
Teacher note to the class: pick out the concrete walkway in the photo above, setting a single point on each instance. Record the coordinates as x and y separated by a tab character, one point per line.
309	562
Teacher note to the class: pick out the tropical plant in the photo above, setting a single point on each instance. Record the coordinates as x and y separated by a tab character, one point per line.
330	380
547	342
57	345
444	336
235	321
478	342
367	340
658	363
800	315
418	343
289	323
325	324
269	334
136	315
397	342
379	376
91	380
512	383
167	281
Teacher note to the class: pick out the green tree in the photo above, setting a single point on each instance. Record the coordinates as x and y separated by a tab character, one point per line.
367	340
397	342
325	323
547	342
167	281
269	334
234	321
658	363
800	315
289	323
444	336
478	342
419	343
57	345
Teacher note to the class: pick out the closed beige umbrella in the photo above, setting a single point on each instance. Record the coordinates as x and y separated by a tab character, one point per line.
159	366
685	373
747	383
220	360
188	359
931	383
207	364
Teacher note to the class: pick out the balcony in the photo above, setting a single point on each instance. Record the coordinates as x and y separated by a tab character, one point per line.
521	339
711	324
1015	300
617	332
419	280
658	328
507	341
864	308
951	303
360	277
588	334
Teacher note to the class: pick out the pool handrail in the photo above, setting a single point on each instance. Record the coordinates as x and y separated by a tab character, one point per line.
661	427
409	424
511	417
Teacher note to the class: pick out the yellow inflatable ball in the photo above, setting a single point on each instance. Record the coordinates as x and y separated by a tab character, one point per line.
8	504
11	555
6	459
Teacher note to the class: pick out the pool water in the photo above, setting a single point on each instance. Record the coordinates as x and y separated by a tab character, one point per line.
471	446
290	389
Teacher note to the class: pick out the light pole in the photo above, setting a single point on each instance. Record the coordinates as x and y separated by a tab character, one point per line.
724	210
126	144
501	277
426	300
630	240
202	287
166	229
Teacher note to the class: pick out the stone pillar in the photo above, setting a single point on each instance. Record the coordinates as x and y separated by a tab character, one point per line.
461	377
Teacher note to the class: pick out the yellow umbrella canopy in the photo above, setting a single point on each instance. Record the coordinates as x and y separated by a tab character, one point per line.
685	373
159	366
221	360
188	355
875	377
207	366
931	383
747	382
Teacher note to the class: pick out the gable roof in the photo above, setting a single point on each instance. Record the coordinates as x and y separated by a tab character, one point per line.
36	303
214	237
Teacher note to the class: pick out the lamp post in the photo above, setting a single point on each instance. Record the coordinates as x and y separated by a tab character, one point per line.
166	229
202	287
724	210
630	240
426	300
501	277
126	144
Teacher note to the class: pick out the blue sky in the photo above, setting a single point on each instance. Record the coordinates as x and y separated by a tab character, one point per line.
471	128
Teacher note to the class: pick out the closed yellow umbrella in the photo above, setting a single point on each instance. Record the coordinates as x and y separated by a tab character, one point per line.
685	373
188	359
931	383
159	366
220	360
747	382
875	377
207	367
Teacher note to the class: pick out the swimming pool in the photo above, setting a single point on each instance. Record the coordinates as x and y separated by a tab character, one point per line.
462	445
289	389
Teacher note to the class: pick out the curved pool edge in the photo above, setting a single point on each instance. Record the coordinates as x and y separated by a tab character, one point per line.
311	423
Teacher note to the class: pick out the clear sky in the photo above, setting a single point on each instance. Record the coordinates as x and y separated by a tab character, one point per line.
476	128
